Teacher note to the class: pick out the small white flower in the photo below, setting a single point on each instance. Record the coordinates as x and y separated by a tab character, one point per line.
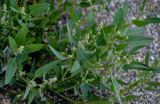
21	73
52	80
4	8
3	20
45	81
23	11
32	83
74	48
20	49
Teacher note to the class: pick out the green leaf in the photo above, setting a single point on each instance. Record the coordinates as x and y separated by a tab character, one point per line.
95	101
33	47
58	71
38	9
33	66
135	31
84	4
70	37
146	21
150	88
147	57
108	29
72	13
154	20
138	66
12	43
116	88
85	90
91	16
135	49
88	3
56	53
134	84
75	68
30	40
137	38
140	23
11	70
125	8
121	46
143	5
121	82
130	97
81	56
44	22
15	10
14	4
32	94
156	84
55	16
21	35
26	92
45	69
118	18
21	58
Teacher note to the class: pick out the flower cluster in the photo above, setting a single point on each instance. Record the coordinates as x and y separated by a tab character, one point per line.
19	50
4	18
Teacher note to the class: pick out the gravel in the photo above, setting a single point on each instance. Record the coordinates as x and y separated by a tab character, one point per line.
152	8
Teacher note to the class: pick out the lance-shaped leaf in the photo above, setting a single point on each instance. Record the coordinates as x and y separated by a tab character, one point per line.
33	47
75	68
143	5
56	53
70	37
138	66
32	94
147	57
14	4
11	70
45	69
134	84
146	21
12	43
118	18
116	88
84	89
38	9
125	8
156	84
26	92
21	35
136	38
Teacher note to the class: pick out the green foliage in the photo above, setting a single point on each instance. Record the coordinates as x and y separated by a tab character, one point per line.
38	9
33	47
116	88
20	37
10	71
50	49
146	21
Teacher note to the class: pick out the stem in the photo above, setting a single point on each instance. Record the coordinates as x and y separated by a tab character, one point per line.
63	77
20	84
70	100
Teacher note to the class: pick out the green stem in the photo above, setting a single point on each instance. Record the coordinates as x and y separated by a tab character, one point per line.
64	75
70	100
